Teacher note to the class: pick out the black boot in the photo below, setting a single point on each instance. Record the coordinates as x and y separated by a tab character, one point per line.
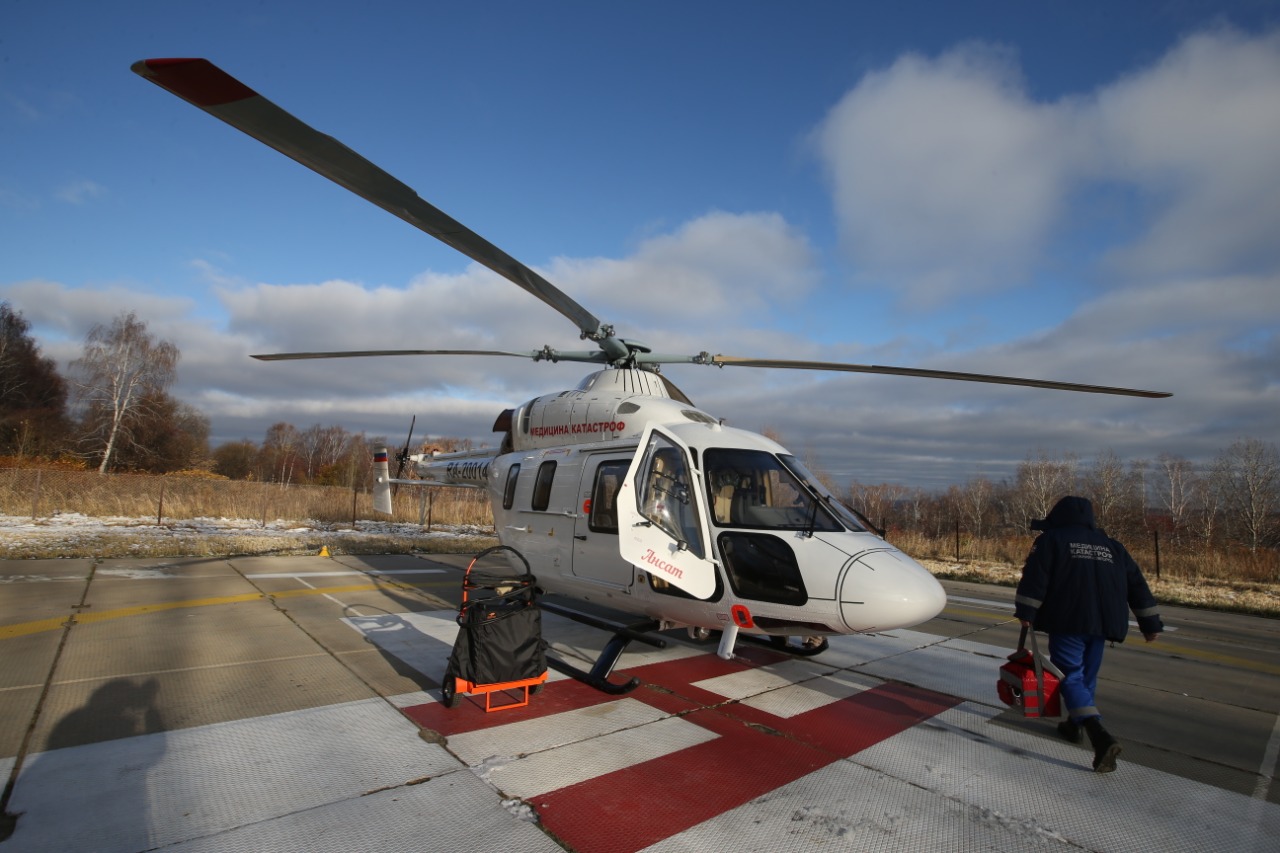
1070	731
1105	748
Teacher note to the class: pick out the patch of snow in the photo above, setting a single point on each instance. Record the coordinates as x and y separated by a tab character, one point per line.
72	527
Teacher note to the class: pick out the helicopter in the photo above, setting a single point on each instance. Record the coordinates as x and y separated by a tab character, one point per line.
621	492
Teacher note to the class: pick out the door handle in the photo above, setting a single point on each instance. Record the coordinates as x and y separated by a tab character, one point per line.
581	538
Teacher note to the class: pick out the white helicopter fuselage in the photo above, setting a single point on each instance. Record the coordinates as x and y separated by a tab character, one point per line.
620	494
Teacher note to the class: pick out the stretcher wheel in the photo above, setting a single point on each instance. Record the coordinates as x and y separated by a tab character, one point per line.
449	689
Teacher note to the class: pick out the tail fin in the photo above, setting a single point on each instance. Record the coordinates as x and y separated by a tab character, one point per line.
381	486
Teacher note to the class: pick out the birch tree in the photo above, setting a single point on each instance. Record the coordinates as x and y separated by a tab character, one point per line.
1176	487
122	368
1251	486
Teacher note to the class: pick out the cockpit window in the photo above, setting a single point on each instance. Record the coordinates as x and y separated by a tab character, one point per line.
848	517
666	498
756	490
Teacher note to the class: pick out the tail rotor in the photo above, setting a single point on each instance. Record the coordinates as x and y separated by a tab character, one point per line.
403	456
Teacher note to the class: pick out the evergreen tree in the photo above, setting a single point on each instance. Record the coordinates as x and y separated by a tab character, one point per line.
33	396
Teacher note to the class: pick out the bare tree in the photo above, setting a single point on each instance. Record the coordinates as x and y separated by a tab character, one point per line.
1104	483
309	441
973	504
1251	471
280	451
121	369
876	503
1040	483
1118	493
1175	487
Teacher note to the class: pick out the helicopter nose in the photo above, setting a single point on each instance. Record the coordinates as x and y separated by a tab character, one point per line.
887	589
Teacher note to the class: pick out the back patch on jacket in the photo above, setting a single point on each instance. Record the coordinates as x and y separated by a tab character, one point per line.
1090	551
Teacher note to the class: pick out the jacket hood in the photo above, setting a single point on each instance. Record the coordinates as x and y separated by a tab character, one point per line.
1068	512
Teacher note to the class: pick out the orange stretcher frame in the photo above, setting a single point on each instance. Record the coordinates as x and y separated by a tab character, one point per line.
464	686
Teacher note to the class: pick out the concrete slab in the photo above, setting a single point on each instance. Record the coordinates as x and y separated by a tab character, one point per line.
165	787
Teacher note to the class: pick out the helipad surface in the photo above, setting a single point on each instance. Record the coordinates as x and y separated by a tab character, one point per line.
292	704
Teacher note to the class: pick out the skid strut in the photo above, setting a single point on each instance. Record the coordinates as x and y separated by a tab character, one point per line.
598	677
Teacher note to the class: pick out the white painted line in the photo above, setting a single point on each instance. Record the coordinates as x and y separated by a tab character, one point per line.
540	772
983	602
818	693
1267	771
544	733
757	680
325	594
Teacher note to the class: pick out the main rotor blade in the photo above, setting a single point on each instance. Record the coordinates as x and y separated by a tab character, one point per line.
731	361
544	354
292	356
208	87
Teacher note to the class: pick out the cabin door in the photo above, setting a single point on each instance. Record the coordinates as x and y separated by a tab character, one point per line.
595	531
661	518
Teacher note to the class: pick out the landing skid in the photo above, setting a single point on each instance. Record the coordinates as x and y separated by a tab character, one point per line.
784	644
598	677
777	642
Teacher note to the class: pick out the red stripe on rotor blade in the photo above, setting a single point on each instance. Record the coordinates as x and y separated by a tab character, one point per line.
196	80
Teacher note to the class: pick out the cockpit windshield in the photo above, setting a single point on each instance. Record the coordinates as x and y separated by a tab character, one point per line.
760	491
850	519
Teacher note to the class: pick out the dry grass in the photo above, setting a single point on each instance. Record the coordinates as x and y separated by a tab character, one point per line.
1257	599
43	493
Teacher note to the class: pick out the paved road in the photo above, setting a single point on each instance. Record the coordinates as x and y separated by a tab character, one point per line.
264	703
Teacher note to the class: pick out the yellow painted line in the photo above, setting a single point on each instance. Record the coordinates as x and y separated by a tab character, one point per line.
23	629
1162	645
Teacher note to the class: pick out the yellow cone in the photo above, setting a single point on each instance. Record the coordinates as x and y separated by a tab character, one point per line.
324	551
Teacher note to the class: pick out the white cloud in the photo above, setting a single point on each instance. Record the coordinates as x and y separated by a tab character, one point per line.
944	173
948	178
1197	134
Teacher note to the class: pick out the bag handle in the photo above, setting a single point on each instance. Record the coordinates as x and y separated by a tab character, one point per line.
1035	656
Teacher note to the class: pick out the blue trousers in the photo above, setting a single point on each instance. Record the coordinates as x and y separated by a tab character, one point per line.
1079	657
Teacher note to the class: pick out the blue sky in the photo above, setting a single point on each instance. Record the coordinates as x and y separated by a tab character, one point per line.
1087	192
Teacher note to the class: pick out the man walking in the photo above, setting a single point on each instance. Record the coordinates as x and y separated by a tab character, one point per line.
1078	585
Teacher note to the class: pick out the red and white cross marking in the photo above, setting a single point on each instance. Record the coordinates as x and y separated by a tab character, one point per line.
618	774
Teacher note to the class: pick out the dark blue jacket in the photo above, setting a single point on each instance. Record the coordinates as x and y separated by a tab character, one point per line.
1078	580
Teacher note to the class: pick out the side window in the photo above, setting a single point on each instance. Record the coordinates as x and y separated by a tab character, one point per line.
542	485
604	497
762	567
509	490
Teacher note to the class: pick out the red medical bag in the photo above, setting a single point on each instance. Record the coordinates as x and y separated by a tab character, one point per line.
1029	682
